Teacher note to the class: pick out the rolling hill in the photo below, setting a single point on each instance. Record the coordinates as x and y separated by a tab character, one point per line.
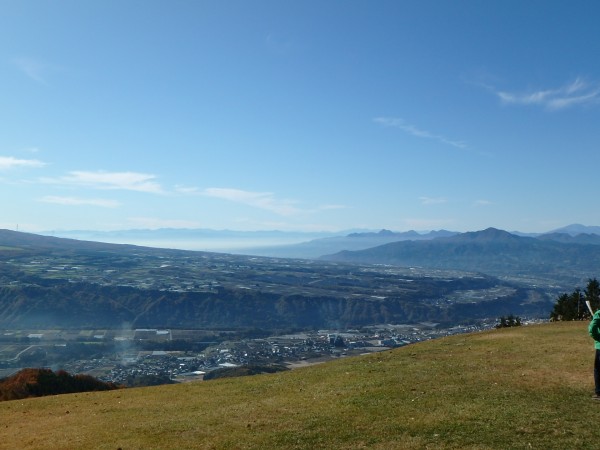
526	387
20	241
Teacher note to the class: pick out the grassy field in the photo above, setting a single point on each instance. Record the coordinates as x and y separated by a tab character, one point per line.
516	388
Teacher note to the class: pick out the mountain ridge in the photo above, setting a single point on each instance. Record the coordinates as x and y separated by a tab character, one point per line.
491	251
286	244
353	241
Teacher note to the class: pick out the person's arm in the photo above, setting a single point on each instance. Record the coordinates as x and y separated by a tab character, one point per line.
594	327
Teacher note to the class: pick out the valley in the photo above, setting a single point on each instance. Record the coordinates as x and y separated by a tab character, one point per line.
150	356
63	283
138	315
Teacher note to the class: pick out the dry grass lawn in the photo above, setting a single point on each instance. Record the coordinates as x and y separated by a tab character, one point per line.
525	387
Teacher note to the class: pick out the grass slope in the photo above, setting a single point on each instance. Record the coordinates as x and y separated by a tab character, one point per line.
514	388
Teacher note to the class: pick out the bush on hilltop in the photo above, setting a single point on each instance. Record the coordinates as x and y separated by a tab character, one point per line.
40	382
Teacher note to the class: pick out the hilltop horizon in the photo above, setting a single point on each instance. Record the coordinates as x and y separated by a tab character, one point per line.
569	228
227	239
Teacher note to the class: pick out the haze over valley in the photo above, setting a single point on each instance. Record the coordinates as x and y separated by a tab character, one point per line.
136	300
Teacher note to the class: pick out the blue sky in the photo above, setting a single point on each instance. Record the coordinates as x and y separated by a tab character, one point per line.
311	115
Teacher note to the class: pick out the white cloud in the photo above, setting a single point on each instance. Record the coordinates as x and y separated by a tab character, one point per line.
482	203
9	162
35	69
401	124
432	200
130	181
73	201
187	190
261	200
578	92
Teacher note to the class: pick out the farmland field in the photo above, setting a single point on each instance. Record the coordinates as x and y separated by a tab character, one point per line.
10	351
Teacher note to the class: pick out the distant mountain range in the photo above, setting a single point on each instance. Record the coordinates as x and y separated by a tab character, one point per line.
576	229
353	241
286	244
554	256
563	256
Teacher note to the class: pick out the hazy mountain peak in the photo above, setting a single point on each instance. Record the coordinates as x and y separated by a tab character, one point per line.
489	234
576	228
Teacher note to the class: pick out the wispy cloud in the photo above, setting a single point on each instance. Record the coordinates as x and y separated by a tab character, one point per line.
35	69
130	181
262	200
74	201
187	190
278	45
578	92
432	200
9	162
482	203
401	124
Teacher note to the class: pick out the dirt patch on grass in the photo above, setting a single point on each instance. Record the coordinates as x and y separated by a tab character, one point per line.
307	362
498	335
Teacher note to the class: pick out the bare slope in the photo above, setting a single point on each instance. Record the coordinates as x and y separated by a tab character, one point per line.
515	388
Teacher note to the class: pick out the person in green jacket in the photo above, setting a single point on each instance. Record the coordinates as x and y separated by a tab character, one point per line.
594	330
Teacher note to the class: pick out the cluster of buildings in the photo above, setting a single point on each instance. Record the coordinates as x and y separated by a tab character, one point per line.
156	367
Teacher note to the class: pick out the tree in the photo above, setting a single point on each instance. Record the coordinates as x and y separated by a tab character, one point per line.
592	293
568	307
572	306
